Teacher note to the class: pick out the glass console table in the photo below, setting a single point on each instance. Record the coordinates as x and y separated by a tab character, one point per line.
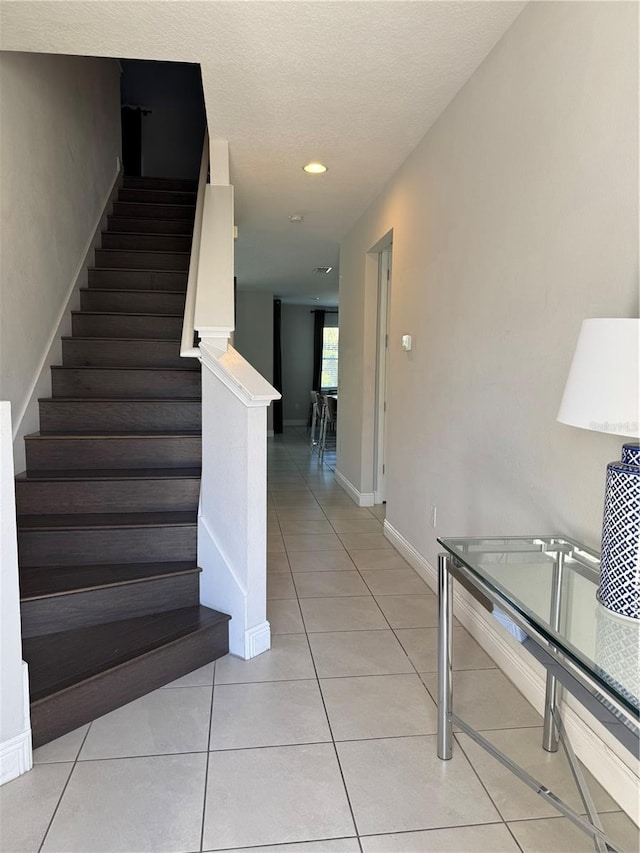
546	586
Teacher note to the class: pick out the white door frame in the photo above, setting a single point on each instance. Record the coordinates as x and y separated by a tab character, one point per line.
384	302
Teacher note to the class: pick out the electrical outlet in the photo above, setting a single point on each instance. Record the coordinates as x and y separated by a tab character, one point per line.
434	516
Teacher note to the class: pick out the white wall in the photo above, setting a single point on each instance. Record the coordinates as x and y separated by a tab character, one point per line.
513	220
60	119
15	730
253	336
297	362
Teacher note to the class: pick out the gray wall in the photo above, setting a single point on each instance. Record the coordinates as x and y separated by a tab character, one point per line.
297	362
253	337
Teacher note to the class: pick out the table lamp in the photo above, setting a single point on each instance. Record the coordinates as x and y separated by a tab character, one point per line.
602	394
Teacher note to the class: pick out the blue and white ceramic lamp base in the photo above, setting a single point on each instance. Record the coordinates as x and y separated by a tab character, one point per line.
619	589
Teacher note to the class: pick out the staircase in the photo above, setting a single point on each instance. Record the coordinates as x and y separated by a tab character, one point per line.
107	507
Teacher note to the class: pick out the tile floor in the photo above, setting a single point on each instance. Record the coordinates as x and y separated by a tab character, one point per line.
326	743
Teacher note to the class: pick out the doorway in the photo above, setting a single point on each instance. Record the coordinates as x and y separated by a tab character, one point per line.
384	302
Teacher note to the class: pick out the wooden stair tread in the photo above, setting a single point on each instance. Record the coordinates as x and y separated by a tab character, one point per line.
45	581
138	269
110	474
176	400
146	234
118	366
59	661
123	314
131	290
177	434
107	520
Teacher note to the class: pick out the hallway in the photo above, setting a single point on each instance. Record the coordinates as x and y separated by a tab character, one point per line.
328	739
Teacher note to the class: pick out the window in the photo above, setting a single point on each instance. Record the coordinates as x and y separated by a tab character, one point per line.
329	377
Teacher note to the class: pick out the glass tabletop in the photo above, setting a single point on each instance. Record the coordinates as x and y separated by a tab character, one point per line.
551	582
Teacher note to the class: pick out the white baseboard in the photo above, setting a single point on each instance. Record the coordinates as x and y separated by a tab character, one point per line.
26	417
613	773
16	753
257	640
361	498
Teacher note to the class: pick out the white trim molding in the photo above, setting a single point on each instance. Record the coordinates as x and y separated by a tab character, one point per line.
16	753
592	748
257	640
361	498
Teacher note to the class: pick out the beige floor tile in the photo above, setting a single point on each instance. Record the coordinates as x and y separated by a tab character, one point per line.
378	706
334	500
513	798
486	699
278	479
277	563
394	582
133	804
356	525
284	616
348	613
280	488
304	526
294	499
559	835
272	713
160	723
273	528
280	585
376	559
201	677
421	644
399	784
302	513
344	653
275	543
271	516
27	805
380	511
352	511
410	611
482	838
365	541
288	659
320	542
321	561
65	748
291	793
329	584
331	845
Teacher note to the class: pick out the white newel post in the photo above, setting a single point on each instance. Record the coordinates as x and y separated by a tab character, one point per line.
232	523
15	726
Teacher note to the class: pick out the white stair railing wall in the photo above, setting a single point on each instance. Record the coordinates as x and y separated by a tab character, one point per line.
232	526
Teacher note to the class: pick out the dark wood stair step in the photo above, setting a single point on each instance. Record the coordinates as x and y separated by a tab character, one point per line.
153	183
62	414
107	491
140	225
156	195
124	352
142	259
149	242
98	538
147	210
130	301
124	450
76	676
137	279
69	597
122	382
103	324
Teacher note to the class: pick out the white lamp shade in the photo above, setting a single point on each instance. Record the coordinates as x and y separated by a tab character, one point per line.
602	387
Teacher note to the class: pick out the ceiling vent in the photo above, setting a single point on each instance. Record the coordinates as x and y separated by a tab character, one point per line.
325	270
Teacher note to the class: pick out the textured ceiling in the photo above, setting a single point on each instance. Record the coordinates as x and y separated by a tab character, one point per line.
353	84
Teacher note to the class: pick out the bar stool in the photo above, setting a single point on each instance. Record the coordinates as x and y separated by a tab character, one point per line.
316	416
329	421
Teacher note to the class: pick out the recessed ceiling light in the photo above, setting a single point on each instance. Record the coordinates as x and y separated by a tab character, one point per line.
315	168
325	270
296	217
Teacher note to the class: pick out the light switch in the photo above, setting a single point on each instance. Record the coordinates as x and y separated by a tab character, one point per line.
406	342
